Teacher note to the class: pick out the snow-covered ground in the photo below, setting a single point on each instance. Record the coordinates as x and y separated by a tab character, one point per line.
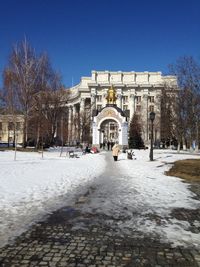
137	198
32	187
159	194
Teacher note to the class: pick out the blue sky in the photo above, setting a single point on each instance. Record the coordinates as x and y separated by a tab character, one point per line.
85	35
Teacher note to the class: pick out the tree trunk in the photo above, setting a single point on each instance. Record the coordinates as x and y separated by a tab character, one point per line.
179	147
38	136
197	137
8	137
184	144
25	134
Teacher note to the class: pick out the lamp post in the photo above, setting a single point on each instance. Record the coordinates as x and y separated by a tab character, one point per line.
151	117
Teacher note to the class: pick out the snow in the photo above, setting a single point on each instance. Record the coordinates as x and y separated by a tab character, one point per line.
141	197
156	193
32	187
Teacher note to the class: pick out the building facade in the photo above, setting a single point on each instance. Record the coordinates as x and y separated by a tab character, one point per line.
11	128
134	92
99	109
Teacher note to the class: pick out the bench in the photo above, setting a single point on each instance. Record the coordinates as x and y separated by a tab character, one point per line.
72	154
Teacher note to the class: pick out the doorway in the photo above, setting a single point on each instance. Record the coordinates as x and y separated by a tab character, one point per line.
109	130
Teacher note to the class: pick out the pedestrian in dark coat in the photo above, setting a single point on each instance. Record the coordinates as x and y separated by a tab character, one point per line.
108	145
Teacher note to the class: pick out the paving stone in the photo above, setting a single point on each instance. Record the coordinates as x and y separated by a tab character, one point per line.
56	259
62	264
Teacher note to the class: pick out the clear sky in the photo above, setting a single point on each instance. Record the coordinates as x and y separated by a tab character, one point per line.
85	35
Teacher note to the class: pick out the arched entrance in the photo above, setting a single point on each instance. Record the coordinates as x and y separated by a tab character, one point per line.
110	125
109	131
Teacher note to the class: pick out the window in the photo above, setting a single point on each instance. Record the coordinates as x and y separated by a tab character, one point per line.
138	108
18	126
151	108
1	127
138	99
112	127
125	107
99	98
10	126
125	99
99	107
151	99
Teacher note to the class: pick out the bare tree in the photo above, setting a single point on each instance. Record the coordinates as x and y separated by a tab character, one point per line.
167	127
41	101
35	90
187	121
10	101
47	119
83	126
53	108
21	75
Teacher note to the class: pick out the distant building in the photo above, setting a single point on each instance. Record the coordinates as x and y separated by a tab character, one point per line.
11	128
135	92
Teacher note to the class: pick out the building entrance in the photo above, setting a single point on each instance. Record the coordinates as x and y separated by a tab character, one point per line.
109	131
111	125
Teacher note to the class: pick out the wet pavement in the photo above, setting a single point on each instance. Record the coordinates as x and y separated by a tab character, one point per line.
76	236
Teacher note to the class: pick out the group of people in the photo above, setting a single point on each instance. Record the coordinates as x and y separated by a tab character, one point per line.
108	145
116	150
89	149
113	146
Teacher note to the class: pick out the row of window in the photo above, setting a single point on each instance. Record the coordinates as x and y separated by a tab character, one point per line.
151	108
138	108
125	99
11	126
125	107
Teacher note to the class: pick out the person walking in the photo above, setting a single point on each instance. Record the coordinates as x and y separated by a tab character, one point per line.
108	145
115	151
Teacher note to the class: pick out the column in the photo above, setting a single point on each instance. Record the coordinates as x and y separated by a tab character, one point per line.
145	115
95	134
93	102
104	100
82	114
132	105
69	124
119	98
124	134
157	110
82	105
74	122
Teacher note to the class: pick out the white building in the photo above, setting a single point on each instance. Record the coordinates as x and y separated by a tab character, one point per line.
11	128
136	92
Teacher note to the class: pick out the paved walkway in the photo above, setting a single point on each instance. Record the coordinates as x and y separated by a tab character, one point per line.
80	236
